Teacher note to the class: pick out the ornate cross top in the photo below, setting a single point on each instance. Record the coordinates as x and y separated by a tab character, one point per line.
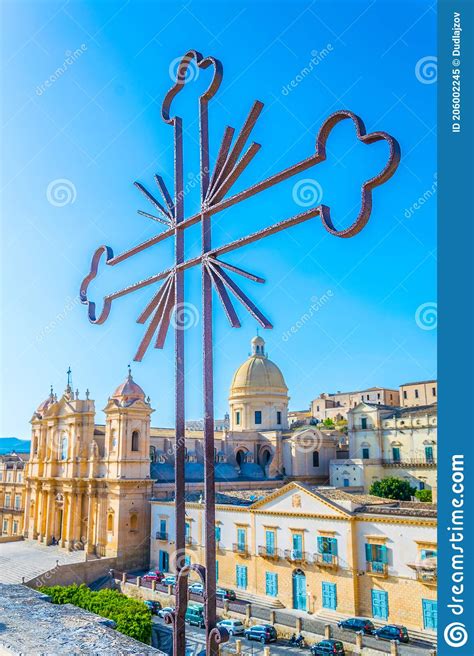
229	165
231	160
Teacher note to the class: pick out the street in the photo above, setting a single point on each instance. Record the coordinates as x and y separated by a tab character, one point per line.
196	644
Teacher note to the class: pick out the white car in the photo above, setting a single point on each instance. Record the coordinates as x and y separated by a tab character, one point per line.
167	609
197	588
234	627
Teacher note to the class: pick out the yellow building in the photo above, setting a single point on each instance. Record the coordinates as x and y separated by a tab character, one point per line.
314	549
87	489
12	494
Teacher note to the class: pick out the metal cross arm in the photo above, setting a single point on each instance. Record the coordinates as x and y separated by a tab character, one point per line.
231	160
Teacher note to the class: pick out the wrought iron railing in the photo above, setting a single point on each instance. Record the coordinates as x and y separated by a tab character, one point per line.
162	535
241	549
325	560
269	552
377	568
409	462
297	556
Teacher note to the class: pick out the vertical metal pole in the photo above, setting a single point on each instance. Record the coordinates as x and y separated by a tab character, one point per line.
208	393
179	637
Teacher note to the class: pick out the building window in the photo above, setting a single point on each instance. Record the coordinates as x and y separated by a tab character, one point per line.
17	502
5	526
315	458
378	395
346	482
317	408
237	417
278	418
416	394
133	522
64	448
433	391
396	453
365	453
218	533
110	522
7	500
241	576
363	423
271	584
327	547
15	527
405	395
329	595
135	438
241	539
429	454
258	416
376	557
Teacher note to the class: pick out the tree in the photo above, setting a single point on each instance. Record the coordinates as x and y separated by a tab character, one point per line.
424	495
131	616
392	488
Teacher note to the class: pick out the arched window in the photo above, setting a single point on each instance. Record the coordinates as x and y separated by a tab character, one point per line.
110	522
135	438
35	444
133	522
64	448
315	458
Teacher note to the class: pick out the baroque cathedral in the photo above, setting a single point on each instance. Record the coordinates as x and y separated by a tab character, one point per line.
88	486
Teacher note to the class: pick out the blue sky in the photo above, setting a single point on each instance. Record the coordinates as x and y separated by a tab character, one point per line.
96	125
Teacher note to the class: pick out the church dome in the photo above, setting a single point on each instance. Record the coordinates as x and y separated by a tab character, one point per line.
258	372
129	390
41	409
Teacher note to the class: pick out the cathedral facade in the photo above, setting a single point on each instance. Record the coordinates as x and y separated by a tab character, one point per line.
88	486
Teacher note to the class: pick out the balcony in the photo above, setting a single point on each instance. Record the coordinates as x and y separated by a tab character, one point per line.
297	556
189	541
162	535
271	553
240	549
410	462
326	560
376	568
426	572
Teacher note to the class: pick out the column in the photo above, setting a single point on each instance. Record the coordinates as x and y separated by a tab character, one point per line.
49	517
69	537
64	518
90	523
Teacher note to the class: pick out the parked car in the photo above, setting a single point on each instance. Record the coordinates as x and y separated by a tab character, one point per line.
392	632
167	609
328	647
168	580
154	575
234	627
153	606
226	594
197	588
195	615
262	632
357	624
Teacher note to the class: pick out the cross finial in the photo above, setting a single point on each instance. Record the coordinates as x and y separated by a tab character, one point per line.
69	377
129	371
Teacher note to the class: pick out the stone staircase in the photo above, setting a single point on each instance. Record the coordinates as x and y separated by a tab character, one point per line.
28	559
332	617
264	602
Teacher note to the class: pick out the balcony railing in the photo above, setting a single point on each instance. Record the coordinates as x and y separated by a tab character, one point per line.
272	553
325	560
425	573
409	462
240	549
189	540
162	535
297	556
377	569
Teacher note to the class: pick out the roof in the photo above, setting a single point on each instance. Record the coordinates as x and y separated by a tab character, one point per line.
31	624
368	389
400	410
244	498
419	382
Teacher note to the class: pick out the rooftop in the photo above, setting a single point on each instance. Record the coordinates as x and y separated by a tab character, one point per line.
31	624
419	382
230	498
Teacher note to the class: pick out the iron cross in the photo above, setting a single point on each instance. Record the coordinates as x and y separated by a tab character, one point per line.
229	164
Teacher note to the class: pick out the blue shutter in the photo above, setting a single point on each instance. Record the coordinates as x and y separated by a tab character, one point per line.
271	584
217	570
368	553
241	538
333	546
270	542
382	554
320	544
329	595
218	533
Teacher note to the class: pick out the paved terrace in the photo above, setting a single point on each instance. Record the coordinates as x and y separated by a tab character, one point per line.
30	559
